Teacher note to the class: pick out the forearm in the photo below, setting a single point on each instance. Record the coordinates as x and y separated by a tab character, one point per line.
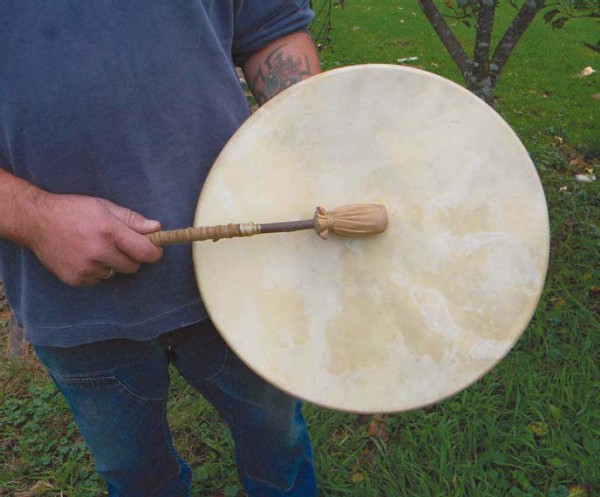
19	206
280	64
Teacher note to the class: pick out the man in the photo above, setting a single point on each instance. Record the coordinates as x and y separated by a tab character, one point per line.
112	114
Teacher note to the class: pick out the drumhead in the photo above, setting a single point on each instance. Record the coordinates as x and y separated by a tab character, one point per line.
395	321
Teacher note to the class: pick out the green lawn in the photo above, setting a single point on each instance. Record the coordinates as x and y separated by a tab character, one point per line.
529	428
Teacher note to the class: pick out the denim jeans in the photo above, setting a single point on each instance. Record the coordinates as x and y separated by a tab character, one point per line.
117	392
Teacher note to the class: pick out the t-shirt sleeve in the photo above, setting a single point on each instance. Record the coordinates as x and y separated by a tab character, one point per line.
258	22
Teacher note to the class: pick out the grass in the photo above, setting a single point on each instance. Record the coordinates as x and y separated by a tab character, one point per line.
529	428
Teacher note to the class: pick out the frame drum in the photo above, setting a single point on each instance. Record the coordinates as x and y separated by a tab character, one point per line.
390	322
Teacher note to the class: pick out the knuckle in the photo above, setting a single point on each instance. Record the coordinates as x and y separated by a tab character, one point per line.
95	253
131	217
105	229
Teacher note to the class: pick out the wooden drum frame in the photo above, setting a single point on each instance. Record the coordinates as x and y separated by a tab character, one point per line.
398	320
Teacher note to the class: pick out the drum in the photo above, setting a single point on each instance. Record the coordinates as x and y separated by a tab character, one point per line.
395	321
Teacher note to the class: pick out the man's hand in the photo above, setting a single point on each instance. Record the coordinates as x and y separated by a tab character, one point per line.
81	239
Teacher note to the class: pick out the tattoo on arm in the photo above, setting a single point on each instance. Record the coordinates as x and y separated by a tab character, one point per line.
278	72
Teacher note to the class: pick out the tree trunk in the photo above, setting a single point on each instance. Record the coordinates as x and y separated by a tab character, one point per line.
445	34
483	87
482	73
518	26
481	81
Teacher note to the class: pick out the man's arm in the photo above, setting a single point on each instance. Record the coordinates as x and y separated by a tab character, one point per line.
18	207
280	64
77	238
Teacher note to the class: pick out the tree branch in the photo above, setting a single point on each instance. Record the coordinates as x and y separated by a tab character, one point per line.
447	37
513	34
483	37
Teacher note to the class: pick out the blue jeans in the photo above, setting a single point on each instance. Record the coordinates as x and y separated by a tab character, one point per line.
117	392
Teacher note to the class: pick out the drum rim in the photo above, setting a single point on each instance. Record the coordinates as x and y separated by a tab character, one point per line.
392	68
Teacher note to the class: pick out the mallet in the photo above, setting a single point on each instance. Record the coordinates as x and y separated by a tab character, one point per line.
356	220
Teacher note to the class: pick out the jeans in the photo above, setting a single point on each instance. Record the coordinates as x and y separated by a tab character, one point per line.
117	392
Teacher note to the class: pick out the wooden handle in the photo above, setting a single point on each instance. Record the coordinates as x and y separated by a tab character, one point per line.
357	220
188	235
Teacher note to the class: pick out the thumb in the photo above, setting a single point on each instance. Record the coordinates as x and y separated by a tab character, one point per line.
133	220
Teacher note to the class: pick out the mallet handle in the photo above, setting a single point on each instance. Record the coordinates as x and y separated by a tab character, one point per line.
355	220
215	233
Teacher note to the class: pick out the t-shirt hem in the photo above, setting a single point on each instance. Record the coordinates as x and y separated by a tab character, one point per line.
95	332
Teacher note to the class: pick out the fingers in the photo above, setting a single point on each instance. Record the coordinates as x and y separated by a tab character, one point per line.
132	219
80	239
112	264
119	263
136	246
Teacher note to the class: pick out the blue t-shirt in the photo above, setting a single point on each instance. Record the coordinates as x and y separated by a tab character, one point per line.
130	101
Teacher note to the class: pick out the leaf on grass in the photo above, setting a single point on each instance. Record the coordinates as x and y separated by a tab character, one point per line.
578	491
38	489
538	428
585	178
378	427
407	59
357	477
586	71
554	412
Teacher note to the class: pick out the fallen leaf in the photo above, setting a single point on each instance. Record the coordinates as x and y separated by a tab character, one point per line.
578	162
578	491
595	290
39	488
585	178
554	412
538	429
596	96
378	428
563	189
586	71
357	477
407	59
